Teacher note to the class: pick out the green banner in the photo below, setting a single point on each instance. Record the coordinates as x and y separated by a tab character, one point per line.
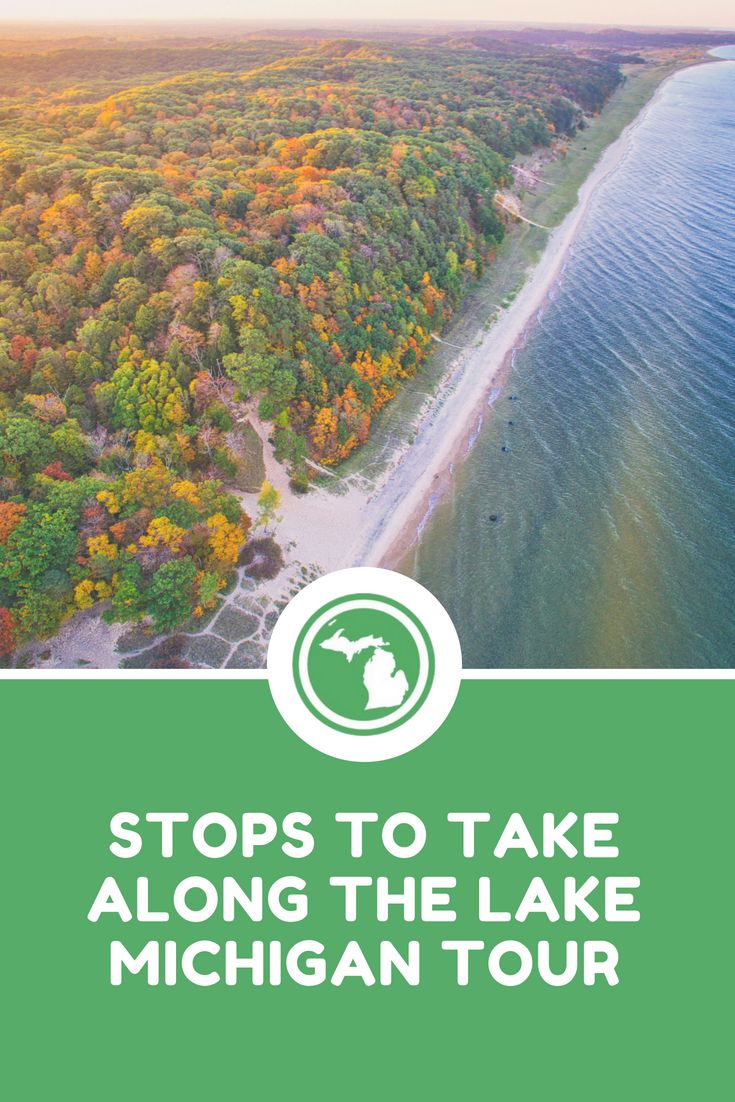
596	812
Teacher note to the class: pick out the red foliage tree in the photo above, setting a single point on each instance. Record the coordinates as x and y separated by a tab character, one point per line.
7	632
55	470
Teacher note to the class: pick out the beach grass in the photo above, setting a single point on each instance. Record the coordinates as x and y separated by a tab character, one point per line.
250	464
567	174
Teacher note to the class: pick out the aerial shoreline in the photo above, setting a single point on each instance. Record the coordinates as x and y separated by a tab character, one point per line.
483	369
350	518
354	527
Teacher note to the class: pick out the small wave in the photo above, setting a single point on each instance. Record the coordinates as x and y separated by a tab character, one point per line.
472	440
433	502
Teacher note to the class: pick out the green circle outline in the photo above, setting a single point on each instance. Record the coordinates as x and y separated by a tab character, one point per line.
378	598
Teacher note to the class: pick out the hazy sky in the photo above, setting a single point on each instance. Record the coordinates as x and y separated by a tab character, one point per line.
715	13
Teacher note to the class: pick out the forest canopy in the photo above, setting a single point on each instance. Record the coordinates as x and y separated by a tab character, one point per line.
286	224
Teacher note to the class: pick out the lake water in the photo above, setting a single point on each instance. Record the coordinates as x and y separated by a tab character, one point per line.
613	539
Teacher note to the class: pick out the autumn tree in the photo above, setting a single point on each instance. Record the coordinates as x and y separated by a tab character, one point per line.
11	514
7	632
269	500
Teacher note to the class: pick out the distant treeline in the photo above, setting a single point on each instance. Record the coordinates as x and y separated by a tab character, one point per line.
616	37
86	64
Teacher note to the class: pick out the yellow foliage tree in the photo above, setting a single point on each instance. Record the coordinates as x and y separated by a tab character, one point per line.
187	491
147	487
162	532
83	594
225	539
100	545
109	500
323	431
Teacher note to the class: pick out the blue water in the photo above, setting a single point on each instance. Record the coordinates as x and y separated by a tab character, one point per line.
614	539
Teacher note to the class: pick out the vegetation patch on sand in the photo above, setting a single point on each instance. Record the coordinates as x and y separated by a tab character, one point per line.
262	558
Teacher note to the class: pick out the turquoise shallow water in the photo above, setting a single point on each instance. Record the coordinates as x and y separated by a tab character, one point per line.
613	538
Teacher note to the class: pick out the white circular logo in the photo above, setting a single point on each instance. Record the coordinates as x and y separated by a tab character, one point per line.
364	664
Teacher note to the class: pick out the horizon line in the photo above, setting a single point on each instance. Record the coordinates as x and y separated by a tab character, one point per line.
330	21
